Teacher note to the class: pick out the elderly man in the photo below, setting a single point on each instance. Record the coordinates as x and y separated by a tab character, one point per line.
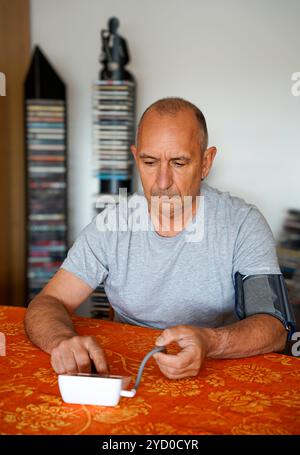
218	295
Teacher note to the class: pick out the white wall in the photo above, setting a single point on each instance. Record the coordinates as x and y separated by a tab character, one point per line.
232	58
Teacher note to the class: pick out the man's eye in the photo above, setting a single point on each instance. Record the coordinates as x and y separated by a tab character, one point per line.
178	164
149	162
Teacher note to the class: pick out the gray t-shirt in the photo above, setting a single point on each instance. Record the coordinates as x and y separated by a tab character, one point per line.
157	281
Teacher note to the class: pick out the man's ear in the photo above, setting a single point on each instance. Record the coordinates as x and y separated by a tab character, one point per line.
208	158
133	151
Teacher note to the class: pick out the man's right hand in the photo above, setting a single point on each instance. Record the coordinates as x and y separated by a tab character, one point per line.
76	354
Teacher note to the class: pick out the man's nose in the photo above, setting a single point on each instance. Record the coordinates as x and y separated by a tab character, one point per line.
164	177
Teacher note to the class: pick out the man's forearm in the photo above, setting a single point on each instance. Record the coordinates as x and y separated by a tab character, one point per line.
254	335
47	322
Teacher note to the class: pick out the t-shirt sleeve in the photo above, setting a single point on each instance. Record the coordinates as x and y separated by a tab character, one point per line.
88	256
255	248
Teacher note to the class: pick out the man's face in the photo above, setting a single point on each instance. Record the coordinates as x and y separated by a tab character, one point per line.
169	157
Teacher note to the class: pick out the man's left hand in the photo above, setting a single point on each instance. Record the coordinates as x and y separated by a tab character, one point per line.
188	361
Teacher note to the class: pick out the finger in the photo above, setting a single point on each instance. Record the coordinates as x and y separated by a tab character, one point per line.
171	374
99	360
167	336
57	364
182	359
82	360
174	371
98	357
69	362
175	333
182	334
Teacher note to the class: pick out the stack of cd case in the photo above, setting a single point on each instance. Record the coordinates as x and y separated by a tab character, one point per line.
113	134
46	170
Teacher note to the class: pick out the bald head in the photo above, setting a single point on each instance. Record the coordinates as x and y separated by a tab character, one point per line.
171	107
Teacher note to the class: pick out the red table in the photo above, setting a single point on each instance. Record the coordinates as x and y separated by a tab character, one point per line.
258	395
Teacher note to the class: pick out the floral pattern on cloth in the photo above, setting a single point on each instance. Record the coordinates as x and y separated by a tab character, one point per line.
256	395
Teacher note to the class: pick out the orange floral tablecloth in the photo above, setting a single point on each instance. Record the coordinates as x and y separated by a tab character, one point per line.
258	395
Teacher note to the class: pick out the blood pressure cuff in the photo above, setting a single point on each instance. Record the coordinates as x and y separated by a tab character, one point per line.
265	294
